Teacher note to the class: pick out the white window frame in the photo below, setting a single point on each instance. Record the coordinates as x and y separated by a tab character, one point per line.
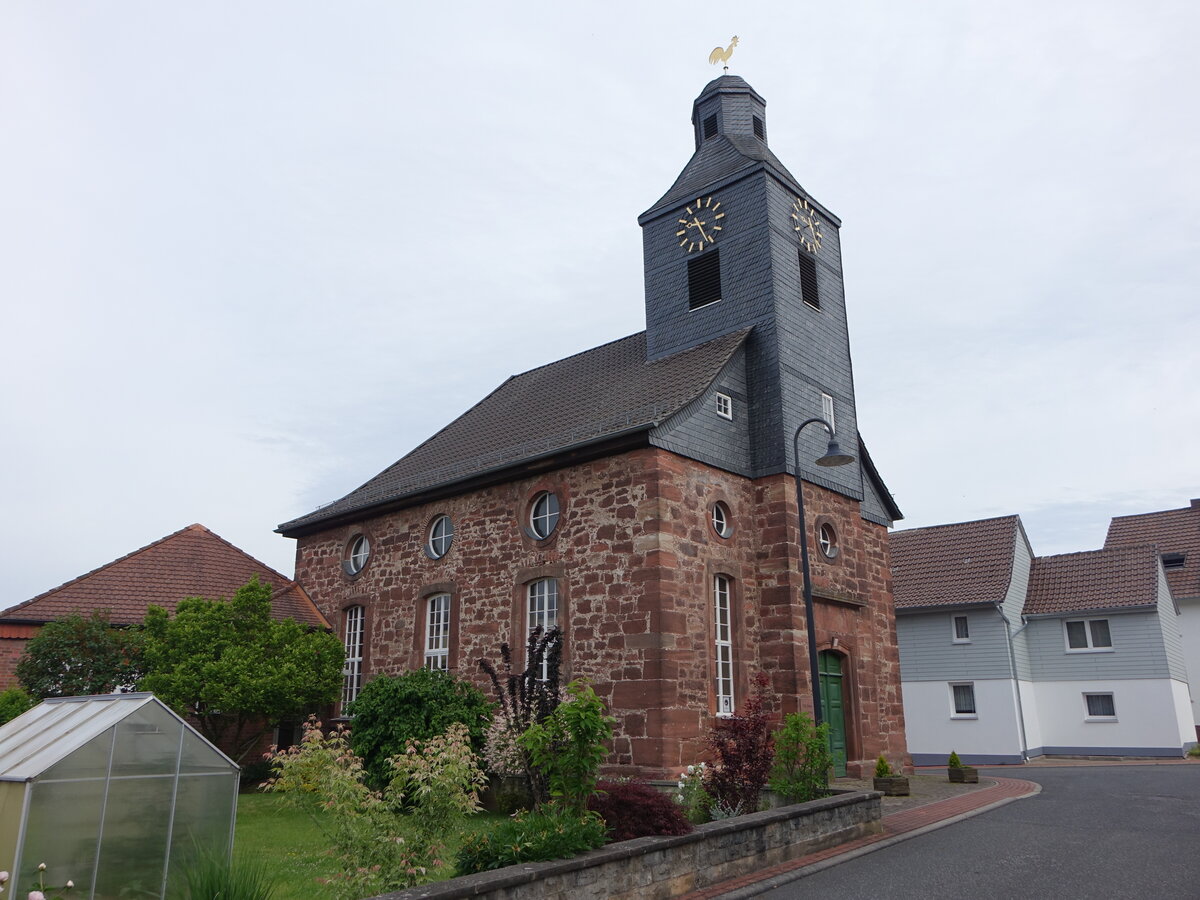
1089	717
353	619
544	514
1088	634
437	632
724	406
441	536
954	635
827	540
723	641
722	520
358	553
541	609
827	410
954	713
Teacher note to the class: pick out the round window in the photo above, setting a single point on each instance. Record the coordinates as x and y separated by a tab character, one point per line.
543	516
441	536
720	520
828	540
357	554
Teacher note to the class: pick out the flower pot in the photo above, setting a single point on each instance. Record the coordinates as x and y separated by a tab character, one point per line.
892	785
964	775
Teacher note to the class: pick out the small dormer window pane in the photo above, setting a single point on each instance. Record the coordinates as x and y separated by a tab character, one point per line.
1173	560
827	410
724	406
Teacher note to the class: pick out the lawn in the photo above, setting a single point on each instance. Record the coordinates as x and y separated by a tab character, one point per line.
292	845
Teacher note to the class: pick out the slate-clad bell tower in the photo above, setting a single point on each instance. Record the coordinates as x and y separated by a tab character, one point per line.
738	242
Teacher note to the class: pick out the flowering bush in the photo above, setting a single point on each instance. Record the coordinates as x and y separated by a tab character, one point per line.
501	751
40	892
691	795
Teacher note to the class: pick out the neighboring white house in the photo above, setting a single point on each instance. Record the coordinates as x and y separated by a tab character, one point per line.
1006	656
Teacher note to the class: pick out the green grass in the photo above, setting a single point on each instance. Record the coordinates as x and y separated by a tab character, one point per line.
293	848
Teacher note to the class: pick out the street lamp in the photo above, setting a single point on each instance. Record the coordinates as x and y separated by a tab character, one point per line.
833	457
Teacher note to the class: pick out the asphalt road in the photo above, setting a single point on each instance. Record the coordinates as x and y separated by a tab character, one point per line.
1093	832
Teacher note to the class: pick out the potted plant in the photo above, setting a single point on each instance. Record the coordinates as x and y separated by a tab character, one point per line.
888	781
959	773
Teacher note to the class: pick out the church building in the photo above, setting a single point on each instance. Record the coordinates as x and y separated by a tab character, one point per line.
642	495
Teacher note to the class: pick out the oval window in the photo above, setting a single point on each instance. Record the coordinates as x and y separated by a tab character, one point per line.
357	554
441	536
721	522
543	516
827	540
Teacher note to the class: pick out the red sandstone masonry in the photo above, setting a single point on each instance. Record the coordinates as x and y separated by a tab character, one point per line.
635	555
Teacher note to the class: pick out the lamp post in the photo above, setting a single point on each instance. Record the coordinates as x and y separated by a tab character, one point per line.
833	457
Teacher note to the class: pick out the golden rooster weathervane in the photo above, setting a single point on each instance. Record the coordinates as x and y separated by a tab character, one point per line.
722	54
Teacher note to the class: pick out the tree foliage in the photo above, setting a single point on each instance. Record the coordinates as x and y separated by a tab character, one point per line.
13	702
743	749
392	710
237	670
802	759
74	656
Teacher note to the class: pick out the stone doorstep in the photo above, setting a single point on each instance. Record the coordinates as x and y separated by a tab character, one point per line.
512	878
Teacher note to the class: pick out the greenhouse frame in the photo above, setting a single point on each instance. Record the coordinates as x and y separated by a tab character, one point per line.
115	793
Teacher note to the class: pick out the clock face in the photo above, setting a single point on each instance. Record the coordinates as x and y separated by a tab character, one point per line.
700	224
807	225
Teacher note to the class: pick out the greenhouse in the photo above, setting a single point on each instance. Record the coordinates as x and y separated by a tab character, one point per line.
115	793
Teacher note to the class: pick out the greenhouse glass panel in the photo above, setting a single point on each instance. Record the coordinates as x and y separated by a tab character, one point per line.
147	743
210	799
132	857
62	831
89	761
200	757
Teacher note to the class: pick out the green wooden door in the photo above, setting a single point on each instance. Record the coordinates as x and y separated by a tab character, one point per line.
832	707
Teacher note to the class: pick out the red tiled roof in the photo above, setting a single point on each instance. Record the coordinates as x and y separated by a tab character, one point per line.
1172	531
1113	578
192	562
954	565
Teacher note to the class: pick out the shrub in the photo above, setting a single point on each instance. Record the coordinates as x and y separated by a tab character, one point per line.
73	656
882	768
392	710
954	762
210	874
440	778
632	809
743	749
692	798
802	759
527	698
550	832
1194	752
13	702
567	747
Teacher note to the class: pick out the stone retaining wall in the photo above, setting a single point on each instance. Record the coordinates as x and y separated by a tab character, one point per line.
659	867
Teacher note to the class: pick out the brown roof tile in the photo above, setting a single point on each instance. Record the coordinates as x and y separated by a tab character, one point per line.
1172	531
192	562
954	565
1113	578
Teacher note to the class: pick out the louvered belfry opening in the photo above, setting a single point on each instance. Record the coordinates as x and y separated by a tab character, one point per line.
710	126
759	131
704	279
808	280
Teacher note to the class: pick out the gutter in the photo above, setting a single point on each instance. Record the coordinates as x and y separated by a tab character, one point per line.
1012	659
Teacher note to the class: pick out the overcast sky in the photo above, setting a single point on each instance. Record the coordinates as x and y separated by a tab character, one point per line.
251	253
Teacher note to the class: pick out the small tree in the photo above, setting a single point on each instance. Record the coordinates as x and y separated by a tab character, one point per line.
567	747
418	705
742	749
237	670
74	656
802	759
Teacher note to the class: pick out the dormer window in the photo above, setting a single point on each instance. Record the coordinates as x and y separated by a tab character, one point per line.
1173	560
724	406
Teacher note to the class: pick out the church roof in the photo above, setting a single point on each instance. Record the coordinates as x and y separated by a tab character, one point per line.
954	565
603	393
1176	532
192	562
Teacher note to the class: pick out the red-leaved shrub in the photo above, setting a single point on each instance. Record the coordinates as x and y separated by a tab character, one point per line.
633	809
742	750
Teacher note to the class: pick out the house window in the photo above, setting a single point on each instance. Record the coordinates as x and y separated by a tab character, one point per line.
1088	634
358	551
808	280
827	411
1173	560
724	406
1100	706
437	632
543	516
352	673
441	536
704	279
543	612
827	540
721	520
962	630
723	630
962	698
